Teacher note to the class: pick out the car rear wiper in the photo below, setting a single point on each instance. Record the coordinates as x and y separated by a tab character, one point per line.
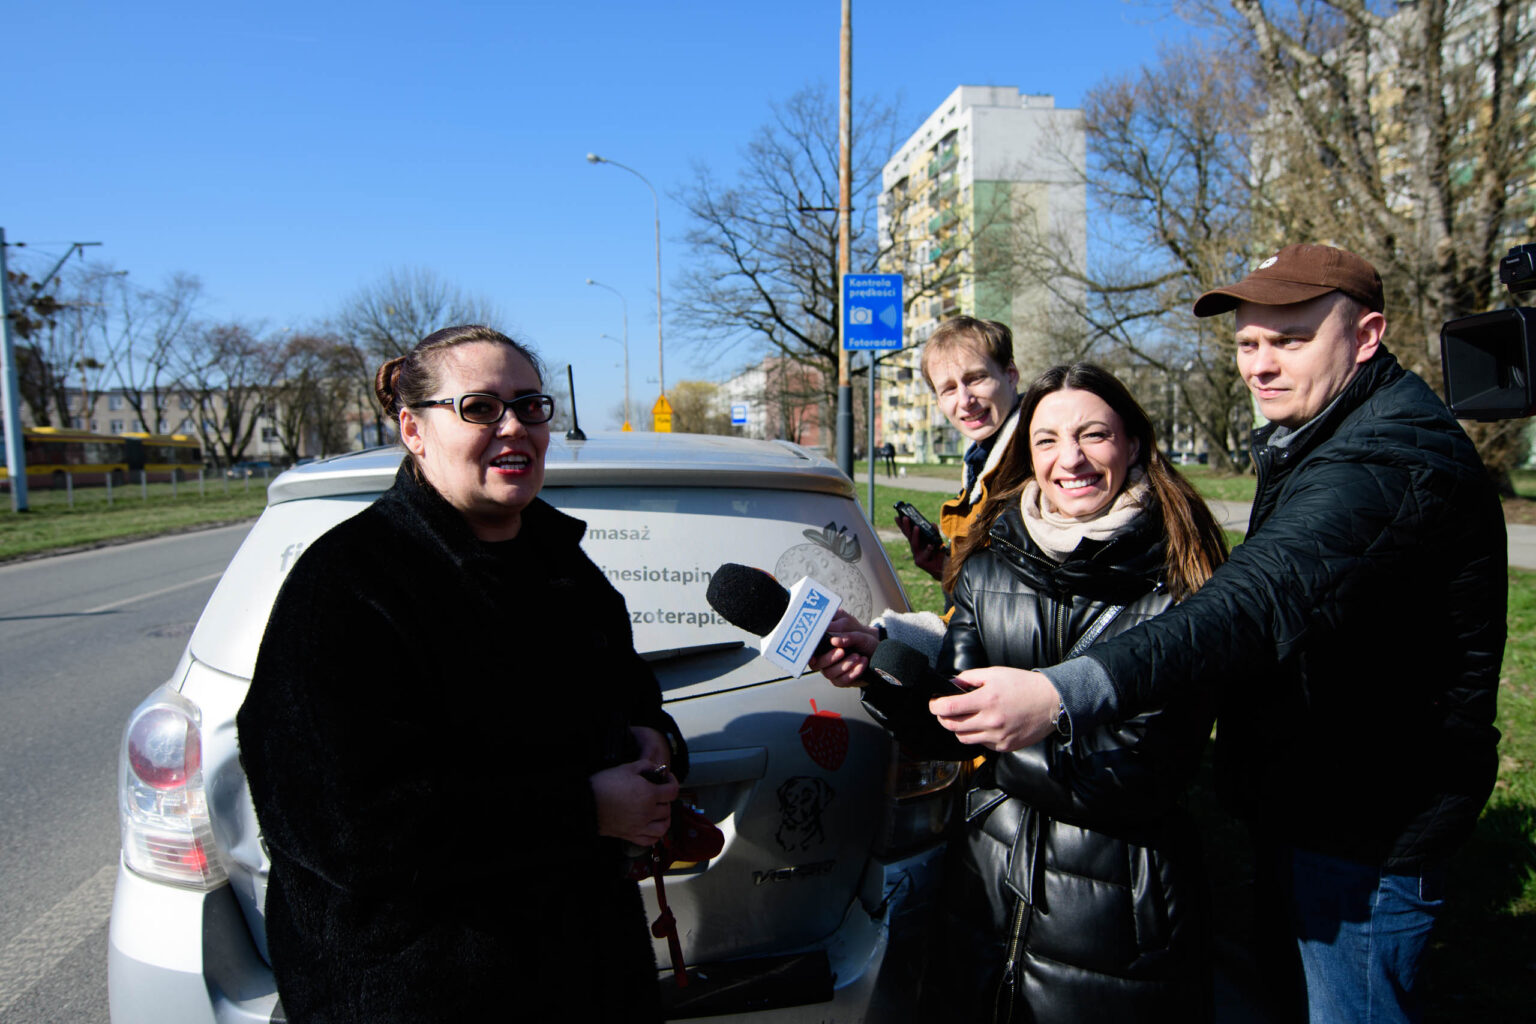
679	653
720	666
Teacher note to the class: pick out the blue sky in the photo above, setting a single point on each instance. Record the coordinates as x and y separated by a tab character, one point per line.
288	154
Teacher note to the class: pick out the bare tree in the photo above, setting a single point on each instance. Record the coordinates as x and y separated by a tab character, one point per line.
138	333
1402	132
387	318
1169	181
54	350
228	374
314	384
764	268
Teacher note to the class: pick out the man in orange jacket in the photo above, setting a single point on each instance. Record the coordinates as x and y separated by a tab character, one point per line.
969	365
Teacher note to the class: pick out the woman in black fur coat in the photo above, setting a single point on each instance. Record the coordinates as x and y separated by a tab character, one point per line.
446	731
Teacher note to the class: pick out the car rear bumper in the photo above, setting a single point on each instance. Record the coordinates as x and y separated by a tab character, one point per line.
875	955
176	956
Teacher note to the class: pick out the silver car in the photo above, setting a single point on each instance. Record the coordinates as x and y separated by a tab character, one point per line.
812	910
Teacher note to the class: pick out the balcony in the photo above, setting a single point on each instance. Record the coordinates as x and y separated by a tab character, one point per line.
942	161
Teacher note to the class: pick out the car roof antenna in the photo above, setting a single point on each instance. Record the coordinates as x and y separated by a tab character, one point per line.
574	434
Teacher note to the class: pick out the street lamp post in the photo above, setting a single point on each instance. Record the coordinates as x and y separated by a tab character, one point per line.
626	346
625	343
661	374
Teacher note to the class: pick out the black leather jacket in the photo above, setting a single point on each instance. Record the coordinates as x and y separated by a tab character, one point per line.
1356	633
1075	887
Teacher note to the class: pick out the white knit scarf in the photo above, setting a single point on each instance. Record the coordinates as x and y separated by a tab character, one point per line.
1059	535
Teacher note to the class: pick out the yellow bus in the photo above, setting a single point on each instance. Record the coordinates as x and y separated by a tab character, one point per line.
91	458
163	456
50	452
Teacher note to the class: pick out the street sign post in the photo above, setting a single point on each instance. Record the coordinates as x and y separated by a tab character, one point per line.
871	321
871	311
661	416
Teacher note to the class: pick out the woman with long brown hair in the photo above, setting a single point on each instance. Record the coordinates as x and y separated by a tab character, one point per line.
1074	889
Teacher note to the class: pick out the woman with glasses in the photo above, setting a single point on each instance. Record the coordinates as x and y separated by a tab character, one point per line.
449	737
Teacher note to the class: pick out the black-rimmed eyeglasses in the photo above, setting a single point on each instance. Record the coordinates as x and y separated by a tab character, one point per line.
484	410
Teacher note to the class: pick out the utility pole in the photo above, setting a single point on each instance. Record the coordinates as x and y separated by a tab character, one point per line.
15	444
15	450
844	191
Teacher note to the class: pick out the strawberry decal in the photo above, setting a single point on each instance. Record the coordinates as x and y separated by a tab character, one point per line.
824	735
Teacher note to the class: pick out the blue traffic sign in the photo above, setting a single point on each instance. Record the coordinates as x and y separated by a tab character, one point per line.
871	311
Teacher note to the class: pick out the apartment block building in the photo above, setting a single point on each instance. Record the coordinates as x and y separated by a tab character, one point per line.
990	168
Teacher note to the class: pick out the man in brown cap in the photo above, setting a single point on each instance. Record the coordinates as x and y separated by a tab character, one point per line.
1354	639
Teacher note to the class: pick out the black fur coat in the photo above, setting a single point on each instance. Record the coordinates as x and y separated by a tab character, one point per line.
424	716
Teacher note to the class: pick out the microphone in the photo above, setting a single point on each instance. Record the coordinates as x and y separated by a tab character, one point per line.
748	598
793	625
900	686
906	667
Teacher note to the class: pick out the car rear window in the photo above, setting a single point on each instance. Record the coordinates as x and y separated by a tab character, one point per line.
658	546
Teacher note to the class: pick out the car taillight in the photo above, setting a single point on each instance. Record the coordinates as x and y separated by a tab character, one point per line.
167	834
921	799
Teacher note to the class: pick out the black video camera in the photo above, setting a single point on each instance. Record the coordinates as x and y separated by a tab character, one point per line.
1488	357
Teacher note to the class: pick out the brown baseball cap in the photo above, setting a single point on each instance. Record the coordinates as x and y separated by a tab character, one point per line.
1298	273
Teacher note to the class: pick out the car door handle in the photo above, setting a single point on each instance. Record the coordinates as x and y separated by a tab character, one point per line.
720	767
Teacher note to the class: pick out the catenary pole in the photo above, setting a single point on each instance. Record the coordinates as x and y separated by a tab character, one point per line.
15	450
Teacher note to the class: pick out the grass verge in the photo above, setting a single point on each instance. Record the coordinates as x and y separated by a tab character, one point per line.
1483	964
50	524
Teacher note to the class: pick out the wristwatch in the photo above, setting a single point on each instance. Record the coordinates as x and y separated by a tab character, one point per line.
1062	723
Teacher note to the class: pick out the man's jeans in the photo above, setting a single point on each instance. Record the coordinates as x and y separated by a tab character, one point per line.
1361	934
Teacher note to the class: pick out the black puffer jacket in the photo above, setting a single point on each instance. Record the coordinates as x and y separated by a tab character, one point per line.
1357	632
1075	892
418	736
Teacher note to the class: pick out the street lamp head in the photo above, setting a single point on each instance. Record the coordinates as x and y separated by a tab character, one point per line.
593	158
590	281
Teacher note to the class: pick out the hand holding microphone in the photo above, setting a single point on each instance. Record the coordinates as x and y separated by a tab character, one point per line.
899	686
852	644
792	624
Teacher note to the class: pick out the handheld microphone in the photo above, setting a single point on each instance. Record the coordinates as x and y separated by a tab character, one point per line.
901	665
747	598
793	625
901	683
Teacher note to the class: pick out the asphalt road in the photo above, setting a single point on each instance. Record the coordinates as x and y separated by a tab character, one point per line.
83	638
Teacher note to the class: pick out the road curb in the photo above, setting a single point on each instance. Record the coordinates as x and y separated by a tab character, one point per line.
112	542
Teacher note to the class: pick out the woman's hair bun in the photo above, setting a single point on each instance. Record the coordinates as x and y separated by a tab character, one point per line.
385	384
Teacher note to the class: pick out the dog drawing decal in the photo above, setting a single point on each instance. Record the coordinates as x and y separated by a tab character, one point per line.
802	799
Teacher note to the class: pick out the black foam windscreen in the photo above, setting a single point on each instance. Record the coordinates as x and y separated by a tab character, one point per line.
748	598
905	666
900	664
